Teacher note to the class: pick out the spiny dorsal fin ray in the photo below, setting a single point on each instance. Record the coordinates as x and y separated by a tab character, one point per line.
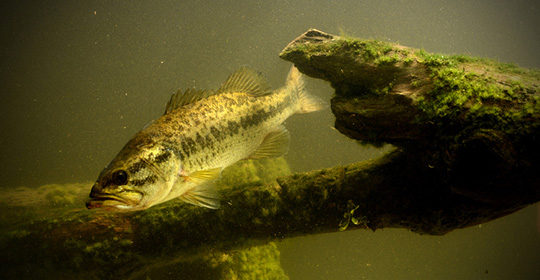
189	96
247	81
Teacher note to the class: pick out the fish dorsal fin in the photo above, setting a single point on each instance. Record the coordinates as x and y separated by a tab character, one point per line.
245	80
275	144
189	96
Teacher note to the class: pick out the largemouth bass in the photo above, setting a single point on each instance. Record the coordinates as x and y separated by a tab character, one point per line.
181	153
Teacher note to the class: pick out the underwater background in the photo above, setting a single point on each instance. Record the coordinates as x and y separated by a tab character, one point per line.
79	78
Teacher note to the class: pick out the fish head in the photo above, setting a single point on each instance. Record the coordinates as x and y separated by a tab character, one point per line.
136	179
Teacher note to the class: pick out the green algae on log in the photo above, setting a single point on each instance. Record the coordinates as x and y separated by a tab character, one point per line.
42	240
474	121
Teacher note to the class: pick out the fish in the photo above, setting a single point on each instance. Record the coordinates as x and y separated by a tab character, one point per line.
182	153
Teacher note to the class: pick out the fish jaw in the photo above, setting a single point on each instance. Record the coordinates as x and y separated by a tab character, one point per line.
129	201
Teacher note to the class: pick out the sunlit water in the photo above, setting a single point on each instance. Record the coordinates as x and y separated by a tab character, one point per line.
80	77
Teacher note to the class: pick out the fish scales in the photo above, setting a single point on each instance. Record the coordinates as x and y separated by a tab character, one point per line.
231	134
181	153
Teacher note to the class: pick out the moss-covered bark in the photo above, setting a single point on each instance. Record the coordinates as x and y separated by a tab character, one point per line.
473	120
40	239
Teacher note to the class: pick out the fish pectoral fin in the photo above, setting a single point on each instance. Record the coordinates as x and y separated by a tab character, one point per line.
203	195
204	176
275	144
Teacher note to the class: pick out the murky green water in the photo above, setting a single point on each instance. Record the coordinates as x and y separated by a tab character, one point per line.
79	78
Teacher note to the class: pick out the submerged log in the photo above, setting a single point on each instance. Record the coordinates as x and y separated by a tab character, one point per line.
466	132
473	121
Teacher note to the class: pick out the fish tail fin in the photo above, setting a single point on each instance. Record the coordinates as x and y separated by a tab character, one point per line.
295	84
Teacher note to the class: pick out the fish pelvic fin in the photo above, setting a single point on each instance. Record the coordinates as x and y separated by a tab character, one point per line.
204	193
295	84
275	144
245	80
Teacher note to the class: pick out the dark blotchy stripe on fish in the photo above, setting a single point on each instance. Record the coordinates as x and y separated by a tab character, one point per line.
201	140
255	119
263	114
135	167
189	146
185	149
215	132
162	158
233	127
209	140
147	180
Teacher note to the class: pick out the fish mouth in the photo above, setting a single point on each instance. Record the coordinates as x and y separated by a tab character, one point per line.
114	202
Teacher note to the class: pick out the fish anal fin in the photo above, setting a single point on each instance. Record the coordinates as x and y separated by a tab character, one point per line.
245	80
275	144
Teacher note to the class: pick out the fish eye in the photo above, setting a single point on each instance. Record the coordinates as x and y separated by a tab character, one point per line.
120	177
